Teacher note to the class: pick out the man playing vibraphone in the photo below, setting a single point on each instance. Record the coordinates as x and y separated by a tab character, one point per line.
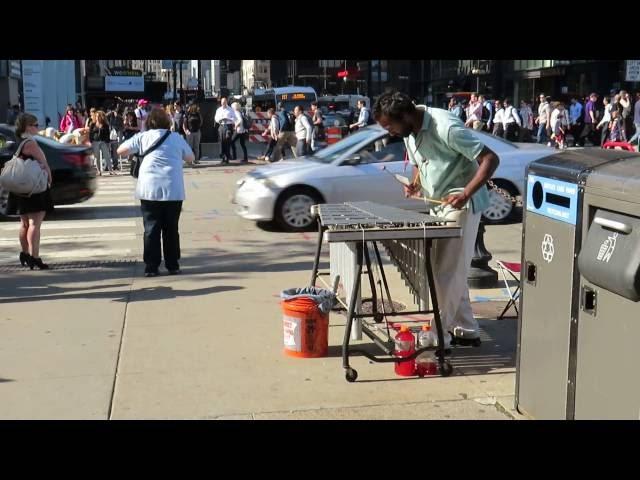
451	164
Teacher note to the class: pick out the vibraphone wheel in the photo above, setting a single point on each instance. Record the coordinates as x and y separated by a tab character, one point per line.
445	368
351	375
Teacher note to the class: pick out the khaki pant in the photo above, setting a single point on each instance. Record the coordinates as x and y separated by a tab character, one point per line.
285	138
451	259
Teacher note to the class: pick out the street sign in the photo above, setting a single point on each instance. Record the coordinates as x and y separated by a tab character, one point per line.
633	71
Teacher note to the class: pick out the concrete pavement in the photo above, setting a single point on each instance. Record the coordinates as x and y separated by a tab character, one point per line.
104	342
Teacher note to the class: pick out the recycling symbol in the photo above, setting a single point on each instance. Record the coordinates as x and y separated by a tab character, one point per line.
547	248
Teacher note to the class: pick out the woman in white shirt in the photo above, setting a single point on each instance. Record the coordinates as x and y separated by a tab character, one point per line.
239	132
604	123
160	189
559	125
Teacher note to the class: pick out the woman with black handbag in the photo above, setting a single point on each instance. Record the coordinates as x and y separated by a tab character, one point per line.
160	189
33	208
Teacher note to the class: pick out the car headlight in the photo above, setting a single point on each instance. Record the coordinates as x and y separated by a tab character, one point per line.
267	182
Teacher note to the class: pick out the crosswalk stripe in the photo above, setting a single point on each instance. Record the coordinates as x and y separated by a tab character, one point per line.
113	192
82	253
51	240
95	205
74	224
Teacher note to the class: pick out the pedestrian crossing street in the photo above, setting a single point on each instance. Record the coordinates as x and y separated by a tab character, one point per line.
108	227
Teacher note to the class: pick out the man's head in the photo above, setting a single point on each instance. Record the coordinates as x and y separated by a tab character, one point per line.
224	102
507	102
593	97
497	104
560	105
177	106
314	106
298	110
142	103
280	106
158	119
360	103
396	113
452	102
482	99
271	112
523	103
542	98
574	100
474	97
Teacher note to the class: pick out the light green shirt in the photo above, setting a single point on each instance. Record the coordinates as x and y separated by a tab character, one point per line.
445	152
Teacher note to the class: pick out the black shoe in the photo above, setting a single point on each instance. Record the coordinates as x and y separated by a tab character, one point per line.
150	272
24	259
177	271
37	262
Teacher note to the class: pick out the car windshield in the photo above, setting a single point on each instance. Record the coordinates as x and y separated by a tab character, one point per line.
335	151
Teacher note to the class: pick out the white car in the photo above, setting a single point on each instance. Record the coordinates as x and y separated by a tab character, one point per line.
351	171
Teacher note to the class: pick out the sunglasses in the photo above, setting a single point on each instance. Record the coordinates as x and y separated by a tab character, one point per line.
34	125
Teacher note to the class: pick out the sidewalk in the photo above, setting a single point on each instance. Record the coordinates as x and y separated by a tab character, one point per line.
109	343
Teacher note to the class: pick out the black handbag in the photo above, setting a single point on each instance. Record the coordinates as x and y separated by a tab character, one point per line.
137	159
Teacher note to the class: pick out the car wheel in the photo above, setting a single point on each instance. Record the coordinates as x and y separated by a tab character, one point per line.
293	209
502	200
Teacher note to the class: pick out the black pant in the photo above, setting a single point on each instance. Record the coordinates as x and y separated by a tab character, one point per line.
234	139
587	133
272	144
576	130
510	132
226	133
604	135
161	218
302	148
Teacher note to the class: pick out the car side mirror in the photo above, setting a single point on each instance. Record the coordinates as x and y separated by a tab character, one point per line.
353	161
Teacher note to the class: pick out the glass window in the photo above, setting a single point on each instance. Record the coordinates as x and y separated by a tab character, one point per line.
335	151
393	151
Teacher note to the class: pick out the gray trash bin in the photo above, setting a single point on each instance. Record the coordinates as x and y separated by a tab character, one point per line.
608	356
549	303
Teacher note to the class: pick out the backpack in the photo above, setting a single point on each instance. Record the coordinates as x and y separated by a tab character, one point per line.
246	122
486	114
370	119
287	121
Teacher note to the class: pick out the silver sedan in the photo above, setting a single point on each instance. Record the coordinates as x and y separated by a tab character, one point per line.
351	170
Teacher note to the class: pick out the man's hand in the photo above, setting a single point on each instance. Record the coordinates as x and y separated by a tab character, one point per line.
456	200
411	190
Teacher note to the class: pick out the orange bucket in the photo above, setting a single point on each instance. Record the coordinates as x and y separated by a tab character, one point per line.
306	328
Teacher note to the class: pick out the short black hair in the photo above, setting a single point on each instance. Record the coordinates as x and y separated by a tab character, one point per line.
393	105
314	104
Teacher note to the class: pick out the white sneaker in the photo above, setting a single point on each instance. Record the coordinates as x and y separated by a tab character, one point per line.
465	333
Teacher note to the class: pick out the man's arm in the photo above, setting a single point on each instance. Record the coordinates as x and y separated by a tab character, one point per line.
488	162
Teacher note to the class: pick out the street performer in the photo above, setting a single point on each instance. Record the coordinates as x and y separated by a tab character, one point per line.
451	164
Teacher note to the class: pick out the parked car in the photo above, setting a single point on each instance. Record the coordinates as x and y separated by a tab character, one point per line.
74	178
350	171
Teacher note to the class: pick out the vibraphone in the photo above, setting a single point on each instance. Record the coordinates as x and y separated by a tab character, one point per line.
405	235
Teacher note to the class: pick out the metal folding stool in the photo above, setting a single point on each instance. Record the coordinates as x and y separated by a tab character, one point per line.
512	269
